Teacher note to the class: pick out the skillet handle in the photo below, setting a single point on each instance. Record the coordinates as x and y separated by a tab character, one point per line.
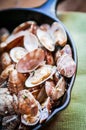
48	8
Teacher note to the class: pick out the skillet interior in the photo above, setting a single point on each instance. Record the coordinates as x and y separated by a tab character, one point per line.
13	17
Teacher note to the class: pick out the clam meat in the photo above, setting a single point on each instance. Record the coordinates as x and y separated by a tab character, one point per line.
40	75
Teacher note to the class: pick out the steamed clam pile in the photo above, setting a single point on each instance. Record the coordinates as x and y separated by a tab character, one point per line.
35	60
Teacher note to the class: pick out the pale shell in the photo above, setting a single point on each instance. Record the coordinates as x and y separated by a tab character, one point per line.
58	34
13	41
31	42
17	53
44	72
24	26
45	39
66	65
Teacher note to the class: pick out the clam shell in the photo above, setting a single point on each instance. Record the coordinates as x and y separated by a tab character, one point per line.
17	53
31	120
30	61
66	49
31	42
4	34
40	75
24	26
13	41
5	60
58	34
45	39
66	65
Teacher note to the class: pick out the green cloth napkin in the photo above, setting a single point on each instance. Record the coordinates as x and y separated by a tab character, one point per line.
74	116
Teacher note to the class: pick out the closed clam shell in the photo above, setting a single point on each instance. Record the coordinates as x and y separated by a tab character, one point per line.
66	65
58	34
31	42
66	49
5	60
40	75
45	39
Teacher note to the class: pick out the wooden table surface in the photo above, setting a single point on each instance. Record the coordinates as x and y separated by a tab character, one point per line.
65	5
20	3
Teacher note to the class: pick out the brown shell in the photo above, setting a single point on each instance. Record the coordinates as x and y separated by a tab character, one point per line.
28	25
16	82
5	60
55	91
30	61
66	65
13	41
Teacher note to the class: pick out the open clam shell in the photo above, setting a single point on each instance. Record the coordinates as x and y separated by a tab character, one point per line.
33	120
12	41
17	53
40	75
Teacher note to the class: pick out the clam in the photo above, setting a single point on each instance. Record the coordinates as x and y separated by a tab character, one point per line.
30	121
42	95
16	81
46	109
66	49
58	34
12	41
5	60
40	75
4	33
66	65
45	39
5	73
30	25
45	27
17	53
30	61
6	102
55	91
31	42
29	108
49	57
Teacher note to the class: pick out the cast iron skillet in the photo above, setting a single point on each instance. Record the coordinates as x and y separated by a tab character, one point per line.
10	18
